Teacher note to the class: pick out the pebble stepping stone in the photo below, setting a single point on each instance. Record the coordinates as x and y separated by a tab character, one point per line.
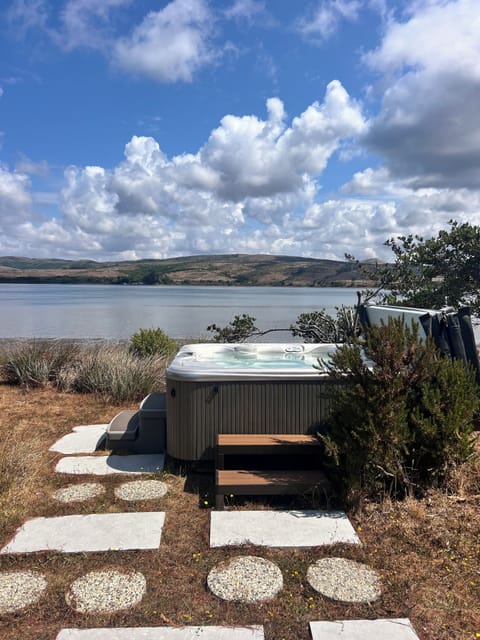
164	633
245	579
106	465
344	580
94	532
79	492
383	629
141	490
281	528
83	439
19	589
106	591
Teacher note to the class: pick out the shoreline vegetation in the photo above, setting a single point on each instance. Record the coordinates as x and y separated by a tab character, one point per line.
211	270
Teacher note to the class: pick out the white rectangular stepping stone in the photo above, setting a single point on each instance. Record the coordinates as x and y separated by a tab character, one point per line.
165	633
382	629
93	532
106	465
280	528
83	439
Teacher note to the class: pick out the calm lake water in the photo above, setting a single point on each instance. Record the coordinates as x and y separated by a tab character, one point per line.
113	311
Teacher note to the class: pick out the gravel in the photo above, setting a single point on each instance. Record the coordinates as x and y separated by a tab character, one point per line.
106	591
141	490
18	589
344	580
79	492
245	579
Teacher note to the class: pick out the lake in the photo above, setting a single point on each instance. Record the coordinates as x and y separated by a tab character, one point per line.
114	311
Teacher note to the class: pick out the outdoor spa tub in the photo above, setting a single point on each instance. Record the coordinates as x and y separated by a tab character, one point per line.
244	388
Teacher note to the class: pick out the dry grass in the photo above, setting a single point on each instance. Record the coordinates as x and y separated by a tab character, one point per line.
428	552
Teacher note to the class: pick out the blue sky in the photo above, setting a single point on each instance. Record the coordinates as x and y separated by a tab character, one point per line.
139	128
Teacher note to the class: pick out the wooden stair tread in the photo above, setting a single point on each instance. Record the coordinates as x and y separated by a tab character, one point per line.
264	478
264	439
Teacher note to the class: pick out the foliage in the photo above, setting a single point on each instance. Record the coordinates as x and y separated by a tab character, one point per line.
317	326
117	374
320	326
106	369
403	418
147	342
37	362
432	273
238	330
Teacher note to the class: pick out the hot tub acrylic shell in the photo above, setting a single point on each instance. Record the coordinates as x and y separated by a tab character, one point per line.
205	398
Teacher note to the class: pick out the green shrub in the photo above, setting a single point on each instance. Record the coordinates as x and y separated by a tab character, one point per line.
403	423
148	342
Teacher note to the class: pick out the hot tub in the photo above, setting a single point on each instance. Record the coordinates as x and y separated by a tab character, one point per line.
244	388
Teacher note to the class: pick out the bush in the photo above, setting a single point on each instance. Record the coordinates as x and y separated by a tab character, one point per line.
403	423
148	342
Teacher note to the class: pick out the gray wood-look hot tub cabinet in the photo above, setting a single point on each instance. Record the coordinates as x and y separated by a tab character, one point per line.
198	410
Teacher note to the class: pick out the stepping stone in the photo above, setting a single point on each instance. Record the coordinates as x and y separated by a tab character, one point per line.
106	591
245	579
280	528
383	629
94	532
19	589
141	490
344	580
106	465
83	439
164	633
79	492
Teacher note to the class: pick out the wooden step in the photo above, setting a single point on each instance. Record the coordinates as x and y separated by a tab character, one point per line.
258	482
265	445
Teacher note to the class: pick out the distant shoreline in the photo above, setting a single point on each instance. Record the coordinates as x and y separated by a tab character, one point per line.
242	270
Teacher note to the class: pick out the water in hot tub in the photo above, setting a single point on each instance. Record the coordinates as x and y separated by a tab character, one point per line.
266	359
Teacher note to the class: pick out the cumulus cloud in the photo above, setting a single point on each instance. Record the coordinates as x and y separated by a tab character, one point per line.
323	22
170	44
248	179
258	158
15	196
428	127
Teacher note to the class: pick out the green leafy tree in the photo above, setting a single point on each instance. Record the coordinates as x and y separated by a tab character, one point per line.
238	330
403	416
432	273
320	326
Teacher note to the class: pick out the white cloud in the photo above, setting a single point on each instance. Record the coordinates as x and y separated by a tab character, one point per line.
247	182
25	15
85	23
15	197
245	9
170	45
429	124
257	158
324	21
32	168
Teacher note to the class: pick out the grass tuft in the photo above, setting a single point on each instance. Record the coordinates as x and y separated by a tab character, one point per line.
112	371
